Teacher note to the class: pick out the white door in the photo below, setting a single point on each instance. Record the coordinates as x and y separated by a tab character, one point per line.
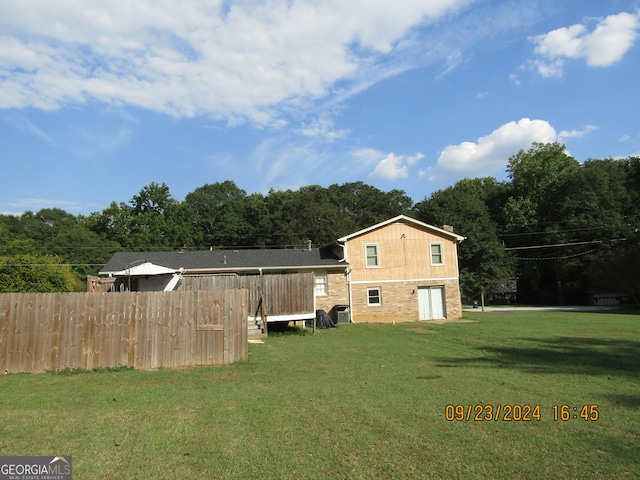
431	302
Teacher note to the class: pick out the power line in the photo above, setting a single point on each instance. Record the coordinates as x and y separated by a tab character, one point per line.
529	247
52	265
570	244
549	233
564	257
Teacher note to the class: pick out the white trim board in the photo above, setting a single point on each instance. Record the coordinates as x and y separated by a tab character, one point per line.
296	317
412	280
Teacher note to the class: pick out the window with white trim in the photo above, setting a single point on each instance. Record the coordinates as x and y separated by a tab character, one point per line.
374	296
322	284
436	254
371	253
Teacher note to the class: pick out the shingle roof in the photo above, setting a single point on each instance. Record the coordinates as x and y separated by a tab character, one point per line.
227	260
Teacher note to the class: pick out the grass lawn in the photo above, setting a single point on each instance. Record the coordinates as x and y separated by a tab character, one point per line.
359	401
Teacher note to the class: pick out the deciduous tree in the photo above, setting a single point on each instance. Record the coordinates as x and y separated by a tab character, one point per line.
35	273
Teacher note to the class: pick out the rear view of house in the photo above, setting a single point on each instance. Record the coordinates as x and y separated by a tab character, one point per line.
398	270
402	270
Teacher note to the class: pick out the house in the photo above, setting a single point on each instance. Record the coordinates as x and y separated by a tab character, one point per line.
607	298
123	265
397	270
402	270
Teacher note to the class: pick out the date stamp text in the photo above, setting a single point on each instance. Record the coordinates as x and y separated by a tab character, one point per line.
519	413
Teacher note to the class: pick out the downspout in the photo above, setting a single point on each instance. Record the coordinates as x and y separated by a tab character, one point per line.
262	303
349	286
350	293
458	275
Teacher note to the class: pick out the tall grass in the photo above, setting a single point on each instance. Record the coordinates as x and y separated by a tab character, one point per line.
359	401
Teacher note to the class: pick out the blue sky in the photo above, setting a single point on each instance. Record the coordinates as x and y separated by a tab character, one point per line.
99	99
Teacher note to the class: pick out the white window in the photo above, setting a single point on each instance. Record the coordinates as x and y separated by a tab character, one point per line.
371	253
374	296
322	284
436	254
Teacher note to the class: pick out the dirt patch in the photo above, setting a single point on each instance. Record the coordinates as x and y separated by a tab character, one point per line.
423	330
445	321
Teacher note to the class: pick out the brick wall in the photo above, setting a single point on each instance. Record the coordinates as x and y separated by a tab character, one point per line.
453	299
400	301
338	292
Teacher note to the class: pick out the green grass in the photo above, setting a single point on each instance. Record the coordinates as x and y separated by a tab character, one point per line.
359	401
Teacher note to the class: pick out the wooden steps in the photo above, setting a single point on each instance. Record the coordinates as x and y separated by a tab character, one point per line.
255	328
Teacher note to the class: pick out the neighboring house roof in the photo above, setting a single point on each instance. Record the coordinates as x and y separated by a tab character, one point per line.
146	269
404	219
211	261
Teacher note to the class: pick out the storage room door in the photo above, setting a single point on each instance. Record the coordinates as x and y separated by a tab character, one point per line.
431	302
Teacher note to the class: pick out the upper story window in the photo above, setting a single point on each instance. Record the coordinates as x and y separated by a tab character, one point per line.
436	254
372	257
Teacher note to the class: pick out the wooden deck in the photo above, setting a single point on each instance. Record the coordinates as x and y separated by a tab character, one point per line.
283	297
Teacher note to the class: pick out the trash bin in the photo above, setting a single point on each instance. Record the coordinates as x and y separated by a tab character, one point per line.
342	314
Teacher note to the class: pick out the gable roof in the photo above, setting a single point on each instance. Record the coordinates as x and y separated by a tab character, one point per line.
411	221
211	261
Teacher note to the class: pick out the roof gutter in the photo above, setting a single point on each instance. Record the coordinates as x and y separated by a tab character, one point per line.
192	271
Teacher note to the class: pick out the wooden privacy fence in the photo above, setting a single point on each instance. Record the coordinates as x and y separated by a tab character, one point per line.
282	294
54	331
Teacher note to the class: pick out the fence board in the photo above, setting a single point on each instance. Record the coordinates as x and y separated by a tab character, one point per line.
40	332
282	294
13	328
4	330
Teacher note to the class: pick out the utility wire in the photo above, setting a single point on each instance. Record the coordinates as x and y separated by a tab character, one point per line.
529	247
549	233
556	258
52	265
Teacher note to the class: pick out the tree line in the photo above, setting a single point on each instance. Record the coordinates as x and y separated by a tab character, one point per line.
561	228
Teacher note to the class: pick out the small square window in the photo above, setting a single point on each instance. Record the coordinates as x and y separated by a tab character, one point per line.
374	296
436	254
372	256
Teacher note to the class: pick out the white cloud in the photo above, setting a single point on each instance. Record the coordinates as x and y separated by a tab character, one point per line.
88	143
548	68
481	158
367	156
604	46
239	61
564	134
288	161
389	166
413	159
35	204
624	157
323	127
453	61
26	125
